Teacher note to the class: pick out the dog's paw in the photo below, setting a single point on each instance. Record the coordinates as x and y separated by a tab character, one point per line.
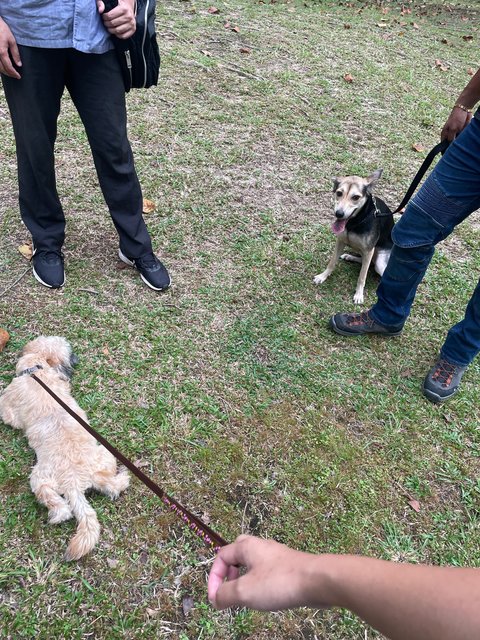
55	516
320	278
348	257
358	297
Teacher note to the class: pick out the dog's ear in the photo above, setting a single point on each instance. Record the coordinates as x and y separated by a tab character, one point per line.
373	179
336	182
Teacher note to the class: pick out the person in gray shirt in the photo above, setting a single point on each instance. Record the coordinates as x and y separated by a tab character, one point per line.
46	47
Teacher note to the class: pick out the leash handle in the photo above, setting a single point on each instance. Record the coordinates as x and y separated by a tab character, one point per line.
208	535
440	147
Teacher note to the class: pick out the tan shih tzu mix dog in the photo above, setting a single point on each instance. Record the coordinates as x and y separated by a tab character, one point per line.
69	459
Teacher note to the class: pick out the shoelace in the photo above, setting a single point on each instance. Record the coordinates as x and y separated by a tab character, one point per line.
147	262
444	373
51	257
355	319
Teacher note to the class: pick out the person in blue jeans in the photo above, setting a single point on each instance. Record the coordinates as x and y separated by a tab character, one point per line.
449	195
46	47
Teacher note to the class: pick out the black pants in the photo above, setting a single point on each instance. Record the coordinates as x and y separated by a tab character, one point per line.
95	84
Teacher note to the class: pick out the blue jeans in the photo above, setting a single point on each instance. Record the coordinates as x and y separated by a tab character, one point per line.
449	195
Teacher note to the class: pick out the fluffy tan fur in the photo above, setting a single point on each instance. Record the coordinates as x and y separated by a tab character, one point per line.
69	459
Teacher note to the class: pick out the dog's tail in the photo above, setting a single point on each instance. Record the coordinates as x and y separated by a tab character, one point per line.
88	530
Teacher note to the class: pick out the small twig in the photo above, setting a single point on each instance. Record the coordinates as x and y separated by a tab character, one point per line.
97	293
244	74
14	283
194	63
167	102
175	35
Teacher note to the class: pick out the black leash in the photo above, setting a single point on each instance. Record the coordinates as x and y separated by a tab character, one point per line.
196	525
440	147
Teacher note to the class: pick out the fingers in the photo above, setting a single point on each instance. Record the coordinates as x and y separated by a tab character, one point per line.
229	594
455	124
9	53
120	21
219	572
6	65
225	567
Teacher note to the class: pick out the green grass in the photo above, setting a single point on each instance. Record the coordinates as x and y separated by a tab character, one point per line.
230	388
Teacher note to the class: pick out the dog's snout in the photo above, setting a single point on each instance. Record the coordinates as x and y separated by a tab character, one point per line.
74	360
339	213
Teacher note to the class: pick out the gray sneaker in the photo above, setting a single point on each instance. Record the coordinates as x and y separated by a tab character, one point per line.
443	380
359	324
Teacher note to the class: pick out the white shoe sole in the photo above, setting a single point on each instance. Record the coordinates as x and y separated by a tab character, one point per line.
45	284
126	260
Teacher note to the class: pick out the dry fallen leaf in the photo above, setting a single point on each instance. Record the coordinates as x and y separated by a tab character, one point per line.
418	147
4	338
141	463
470	71
152	613
441	65
26	250
148	206
213	10
112	563
236	29
208	55
382	24
415	505
187	605
245	50
347	26
468	38
348	77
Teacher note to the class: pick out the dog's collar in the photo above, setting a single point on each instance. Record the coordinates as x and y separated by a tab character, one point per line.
28	372
369	208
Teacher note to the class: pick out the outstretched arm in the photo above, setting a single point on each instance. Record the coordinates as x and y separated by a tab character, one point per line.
400	600
8	52
461	113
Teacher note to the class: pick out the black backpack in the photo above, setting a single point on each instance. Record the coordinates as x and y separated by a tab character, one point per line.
139	55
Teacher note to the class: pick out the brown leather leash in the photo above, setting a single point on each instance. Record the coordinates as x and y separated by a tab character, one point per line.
210	537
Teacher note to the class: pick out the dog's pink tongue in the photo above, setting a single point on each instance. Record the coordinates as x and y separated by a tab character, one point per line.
338	226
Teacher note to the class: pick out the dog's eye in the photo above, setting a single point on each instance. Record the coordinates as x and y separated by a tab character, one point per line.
339	194
356	198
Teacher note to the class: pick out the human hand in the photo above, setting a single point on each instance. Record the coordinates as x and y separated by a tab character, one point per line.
8	52
276	577
119	21
456	123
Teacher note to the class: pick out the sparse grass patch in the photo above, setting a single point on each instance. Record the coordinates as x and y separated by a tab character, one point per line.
230	389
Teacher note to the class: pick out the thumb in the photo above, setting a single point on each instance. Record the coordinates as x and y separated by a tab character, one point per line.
228	594
100	7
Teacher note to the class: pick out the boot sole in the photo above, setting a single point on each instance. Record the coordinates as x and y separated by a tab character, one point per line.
435	398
